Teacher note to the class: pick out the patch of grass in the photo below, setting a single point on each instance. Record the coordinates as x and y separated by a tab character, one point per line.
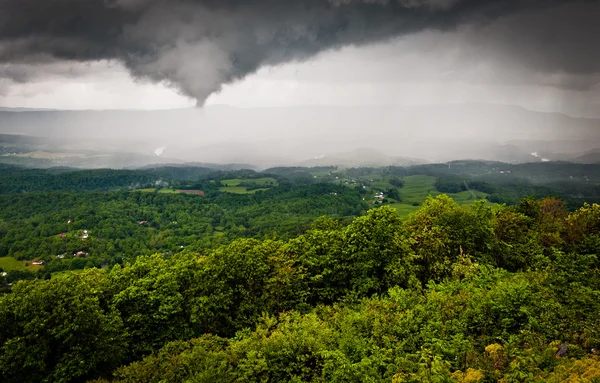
161	191
234	189
417	188
239	190
265	181
233	185
404	209
66	272
468	196
10	263
168	191
232	182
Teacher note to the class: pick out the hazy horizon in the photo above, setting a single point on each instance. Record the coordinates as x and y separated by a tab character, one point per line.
276	82
271	136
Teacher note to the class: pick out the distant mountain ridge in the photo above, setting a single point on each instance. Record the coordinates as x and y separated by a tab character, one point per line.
316	134
362	157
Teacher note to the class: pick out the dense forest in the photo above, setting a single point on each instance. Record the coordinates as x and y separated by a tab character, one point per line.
71	219
294	275
471	293
113	226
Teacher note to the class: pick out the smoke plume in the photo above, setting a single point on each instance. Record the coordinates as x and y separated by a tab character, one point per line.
196	46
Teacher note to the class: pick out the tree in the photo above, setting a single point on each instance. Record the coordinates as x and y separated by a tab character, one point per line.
393	193
397	182
60	330
378	255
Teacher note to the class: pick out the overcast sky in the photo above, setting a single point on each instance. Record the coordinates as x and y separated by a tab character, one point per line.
539	55
395	77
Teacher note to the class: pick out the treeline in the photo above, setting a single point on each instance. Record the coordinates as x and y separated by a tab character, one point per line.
505	183
14	179
535	172
452	294
511	191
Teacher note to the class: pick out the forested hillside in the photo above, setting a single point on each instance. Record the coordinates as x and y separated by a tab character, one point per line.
471	293
190	274
62	219
116	226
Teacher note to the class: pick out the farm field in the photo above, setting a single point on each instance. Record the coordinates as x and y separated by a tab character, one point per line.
196	192
468	196
67	273
417	188
265	181
240	186
240	190
161	191
10	263
404	209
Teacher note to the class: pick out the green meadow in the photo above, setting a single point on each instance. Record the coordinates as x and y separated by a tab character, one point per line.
160	191
239	186
417	188
10	263
67	273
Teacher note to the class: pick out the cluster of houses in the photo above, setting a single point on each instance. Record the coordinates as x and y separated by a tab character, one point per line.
378	198
84	235
75	254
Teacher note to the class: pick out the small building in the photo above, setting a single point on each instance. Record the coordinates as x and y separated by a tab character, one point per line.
80	254
62	235
37	263
142	222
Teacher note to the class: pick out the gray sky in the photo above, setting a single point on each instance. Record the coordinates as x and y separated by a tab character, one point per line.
542	55
397	75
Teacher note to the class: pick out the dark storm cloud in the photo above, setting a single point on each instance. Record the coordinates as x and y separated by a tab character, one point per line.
199	45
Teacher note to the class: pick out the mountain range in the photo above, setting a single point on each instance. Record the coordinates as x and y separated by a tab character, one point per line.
310	135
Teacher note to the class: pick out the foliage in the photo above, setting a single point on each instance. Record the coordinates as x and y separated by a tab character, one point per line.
263	290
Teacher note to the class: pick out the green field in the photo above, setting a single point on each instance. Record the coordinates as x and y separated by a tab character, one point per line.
161	191
239	190
418	188
9	263
404	209
266	181
67	272
233	185
468	196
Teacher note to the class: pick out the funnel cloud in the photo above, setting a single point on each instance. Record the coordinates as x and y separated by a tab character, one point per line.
197	46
